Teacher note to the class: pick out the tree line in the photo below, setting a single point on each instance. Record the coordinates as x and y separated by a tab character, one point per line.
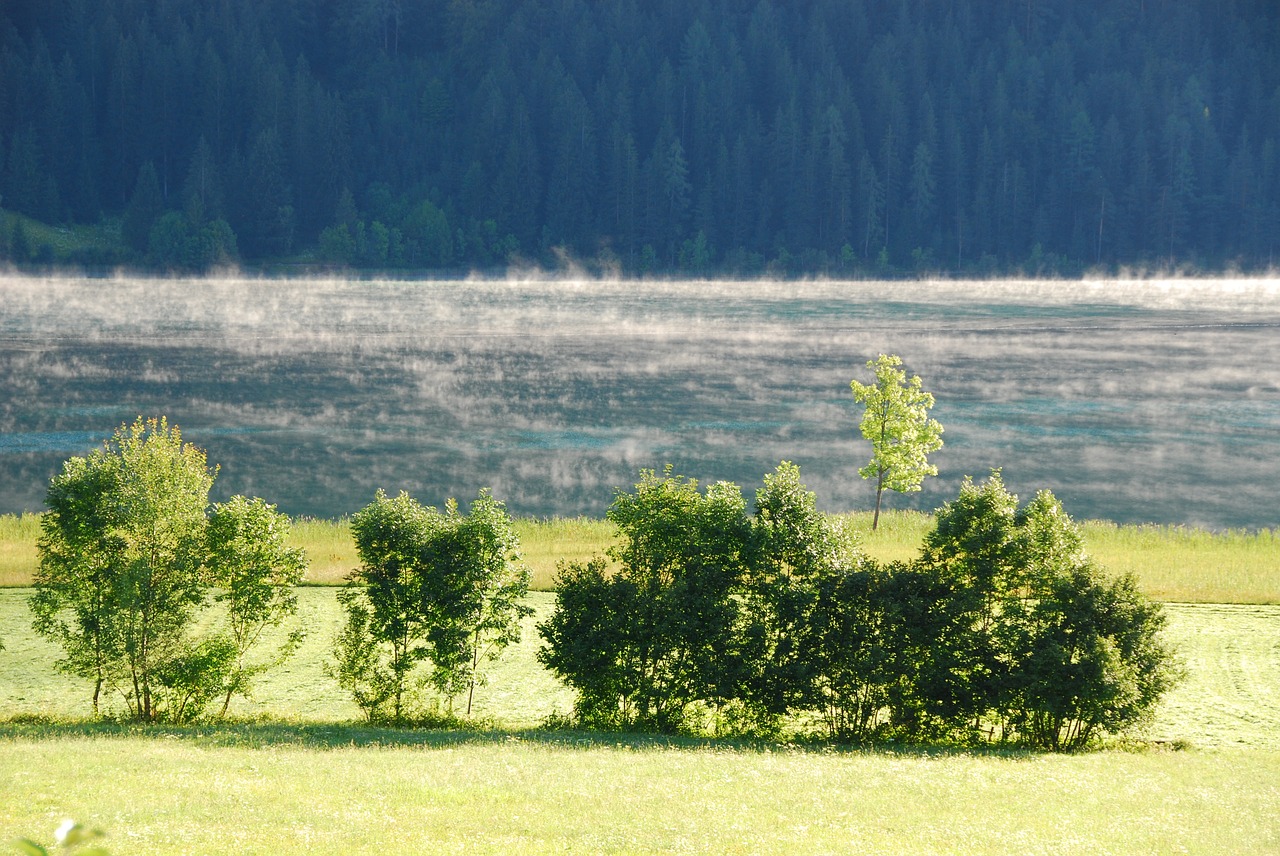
702	618
840	136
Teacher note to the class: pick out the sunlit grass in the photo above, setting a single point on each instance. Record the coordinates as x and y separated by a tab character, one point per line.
1171	563
404	793
1176	563
898	536
545	543
18	537
330	549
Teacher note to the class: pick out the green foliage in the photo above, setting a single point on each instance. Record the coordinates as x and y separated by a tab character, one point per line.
1085	650
256	570
362	665
644	644
70	837
126	559
1001	629
896	422
797	551
387	605
595	643
1043	644
120	561
433	587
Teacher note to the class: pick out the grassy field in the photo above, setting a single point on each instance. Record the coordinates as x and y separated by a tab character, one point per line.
295	772
274	791
1171	563
63	244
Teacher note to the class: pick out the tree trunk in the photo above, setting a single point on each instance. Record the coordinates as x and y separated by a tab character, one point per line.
475	664
875	520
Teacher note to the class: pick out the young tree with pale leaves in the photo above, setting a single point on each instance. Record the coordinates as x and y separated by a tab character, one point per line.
896	422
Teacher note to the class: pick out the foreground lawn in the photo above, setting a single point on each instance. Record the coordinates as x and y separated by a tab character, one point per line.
296	772
184	792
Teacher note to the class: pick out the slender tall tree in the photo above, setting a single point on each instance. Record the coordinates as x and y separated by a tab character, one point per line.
896	422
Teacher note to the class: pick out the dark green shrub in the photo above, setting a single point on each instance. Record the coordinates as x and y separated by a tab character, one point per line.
1084	649
1040	647
648	642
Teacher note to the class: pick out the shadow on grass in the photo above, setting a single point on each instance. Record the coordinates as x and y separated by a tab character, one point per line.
321	736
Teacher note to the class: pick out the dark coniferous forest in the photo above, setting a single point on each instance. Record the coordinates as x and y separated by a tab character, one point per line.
846	137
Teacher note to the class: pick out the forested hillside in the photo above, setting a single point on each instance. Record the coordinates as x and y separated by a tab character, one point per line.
853	137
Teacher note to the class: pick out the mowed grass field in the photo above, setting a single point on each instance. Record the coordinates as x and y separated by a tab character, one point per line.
295	771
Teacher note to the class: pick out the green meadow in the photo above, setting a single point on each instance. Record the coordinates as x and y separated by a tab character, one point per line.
294	770
1171	563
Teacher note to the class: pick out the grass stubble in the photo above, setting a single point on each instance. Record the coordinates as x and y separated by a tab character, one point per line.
296	772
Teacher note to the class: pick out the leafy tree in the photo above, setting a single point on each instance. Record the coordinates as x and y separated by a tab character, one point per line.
119	578
852	650
386	624
974	549
896	422
595	641
476	568
127	557
795	549
1038	643
434	587
74	598
256	571
646	644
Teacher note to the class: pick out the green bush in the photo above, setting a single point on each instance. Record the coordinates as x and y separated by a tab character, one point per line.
126	563
441	589
1001	629
1043	649
646	644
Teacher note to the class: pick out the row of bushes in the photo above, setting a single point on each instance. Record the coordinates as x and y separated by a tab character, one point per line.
162	601
702	616
1002	628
